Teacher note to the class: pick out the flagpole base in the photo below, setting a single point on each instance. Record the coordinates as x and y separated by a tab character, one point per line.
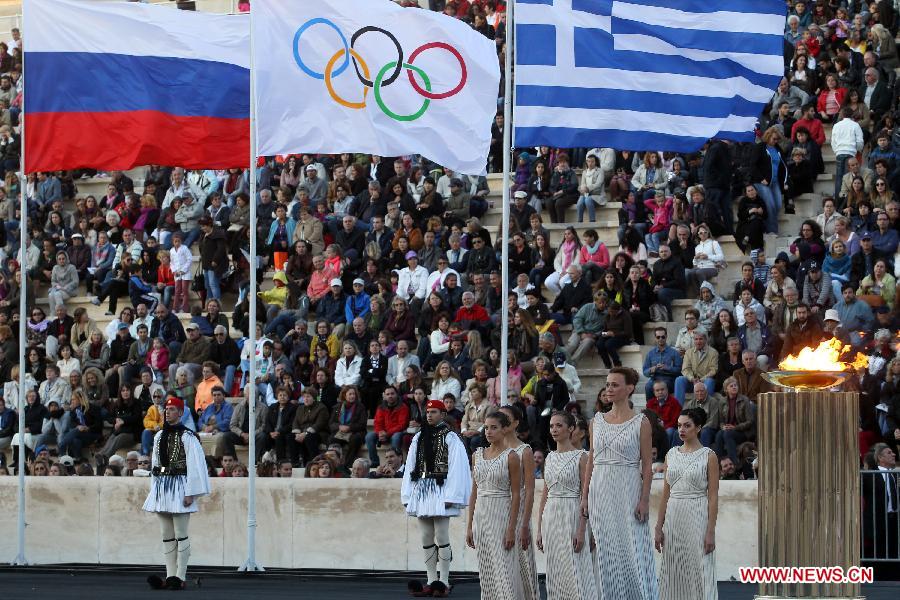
19	561
250	566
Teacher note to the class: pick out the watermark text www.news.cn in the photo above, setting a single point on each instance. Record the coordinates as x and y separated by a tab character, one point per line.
806	575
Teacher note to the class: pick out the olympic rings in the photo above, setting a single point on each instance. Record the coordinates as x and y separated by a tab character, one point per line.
383	106
364	80
299	60
329	75
451	50
383	78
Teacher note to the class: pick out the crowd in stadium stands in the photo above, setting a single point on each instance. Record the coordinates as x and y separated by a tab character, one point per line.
382	283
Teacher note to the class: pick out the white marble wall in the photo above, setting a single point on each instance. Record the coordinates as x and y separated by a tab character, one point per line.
301	523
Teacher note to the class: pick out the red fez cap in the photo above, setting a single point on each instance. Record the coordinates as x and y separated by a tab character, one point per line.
438	404
176	402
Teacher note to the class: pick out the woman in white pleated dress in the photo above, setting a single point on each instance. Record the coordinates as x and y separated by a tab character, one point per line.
686	525
562	528
616	495
525	548
493	513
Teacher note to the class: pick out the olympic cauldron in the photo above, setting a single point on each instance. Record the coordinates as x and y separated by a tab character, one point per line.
809	470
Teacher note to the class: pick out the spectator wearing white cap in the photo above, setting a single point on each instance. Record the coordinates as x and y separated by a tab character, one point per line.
194	352
832	327
412	282
358	303
521	211
332	307
316	187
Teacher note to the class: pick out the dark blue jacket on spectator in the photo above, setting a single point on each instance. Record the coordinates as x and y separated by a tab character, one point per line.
765	335
331	309
169	329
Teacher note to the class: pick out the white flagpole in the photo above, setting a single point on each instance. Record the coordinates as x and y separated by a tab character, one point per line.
504	227
250	564
23	314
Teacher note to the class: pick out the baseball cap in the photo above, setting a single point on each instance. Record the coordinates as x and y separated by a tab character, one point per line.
559	360
40	449
122	326
866	235
521	194
813	266
358	281
66	460
310	167
190	326
336	282
412	254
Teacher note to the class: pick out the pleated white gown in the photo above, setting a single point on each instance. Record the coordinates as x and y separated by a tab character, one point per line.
570	575
527	568
626	569
686	572
498	568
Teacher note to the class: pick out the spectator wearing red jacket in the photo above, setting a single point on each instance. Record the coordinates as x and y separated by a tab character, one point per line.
473	316
812	124
831	98
391	421
667	407
470	312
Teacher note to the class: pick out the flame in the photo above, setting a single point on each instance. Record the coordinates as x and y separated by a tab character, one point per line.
826	357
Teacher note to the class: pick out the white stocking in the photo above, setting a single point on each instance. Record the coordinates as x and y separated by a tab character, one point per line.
426	525
170	546
445	553
180	520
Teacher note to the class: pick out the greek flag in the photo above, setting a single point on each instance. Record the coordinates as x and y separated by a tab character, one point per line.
654	75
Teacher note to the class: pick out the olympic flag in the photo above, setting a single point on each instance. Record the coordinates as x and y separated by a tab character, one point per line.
371	76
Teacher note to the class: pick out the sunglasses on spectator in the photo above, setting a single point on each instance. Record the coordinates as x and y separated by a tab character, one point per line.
660	337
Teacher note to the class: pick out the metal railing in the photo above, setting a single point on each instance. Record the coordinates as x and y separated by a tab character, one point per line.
880	516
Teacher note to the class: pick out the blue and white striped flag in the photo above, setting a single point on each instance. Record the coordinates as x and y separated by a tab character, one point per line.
654	75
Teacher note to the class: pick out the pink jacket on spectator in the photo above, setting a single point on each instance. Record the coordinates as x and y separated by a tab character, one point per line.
599	258
320	283
662	215
158	359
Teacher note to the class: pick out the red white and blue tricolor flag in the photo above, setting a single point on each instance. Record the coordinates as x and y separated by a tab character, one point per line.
113	85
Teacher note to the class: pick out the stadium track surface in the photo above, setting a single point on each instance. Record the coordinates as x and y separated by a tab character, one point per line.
91	582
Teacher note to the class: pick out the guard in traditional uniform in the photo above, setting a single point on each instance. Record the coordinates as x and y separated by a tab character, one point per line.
436	486
179	477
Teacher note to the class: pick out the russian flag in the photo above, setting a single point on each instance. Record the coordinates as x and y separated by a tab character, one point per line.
113	85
